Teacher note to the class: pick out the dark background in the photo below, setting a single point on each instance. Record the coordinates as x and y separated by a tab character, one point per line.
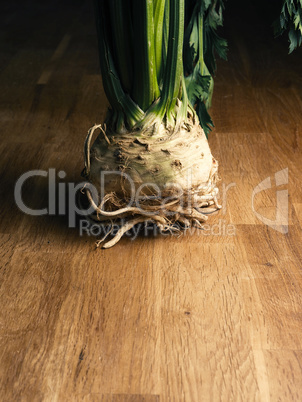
251	20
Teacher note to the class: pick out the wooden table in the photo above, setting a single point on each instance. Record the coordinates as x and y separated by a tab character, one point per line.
215	315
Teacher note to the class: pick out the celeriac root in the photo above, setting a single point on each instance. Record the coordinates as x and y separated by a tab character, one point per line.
151	159
167	217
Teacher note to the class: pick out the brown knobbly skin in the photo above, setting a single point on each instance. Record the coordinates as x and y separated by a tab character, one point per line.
177	164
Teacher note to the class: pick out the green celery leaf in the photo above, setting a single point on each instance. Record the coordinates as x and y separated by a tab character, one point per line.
204	118
197	85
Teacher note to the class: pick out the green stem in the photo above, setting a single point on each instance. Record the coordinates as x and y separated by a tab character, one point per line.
166	31
145	87
120	17
125	111
200	43
174	64
159	11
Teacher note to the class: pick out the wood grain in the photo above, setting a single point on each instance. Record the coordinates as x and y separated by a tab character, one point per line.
213	315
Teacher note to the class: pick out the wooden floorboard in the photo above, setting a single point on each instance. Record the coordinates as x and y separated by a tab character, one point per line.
211	315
